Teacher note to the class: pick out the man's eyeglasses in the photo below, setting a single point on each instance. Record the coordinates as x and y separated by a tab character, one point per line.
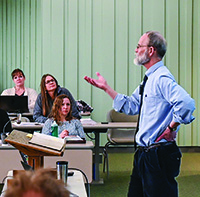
50	81
139	46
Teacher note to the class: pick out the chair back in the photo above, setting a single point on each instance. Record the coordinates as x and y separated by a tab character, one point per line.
121	136
113	116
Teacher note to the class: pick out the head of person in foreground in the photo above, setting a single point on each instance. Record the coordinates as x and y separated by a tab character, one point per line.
39	183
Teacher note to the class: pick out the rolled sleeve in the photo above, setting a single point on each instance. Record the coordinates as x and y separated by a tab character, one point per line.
127	104
182	104
183	114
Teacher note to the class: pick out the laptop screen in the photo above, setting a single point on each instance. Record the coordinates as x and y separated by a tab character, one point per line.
14	104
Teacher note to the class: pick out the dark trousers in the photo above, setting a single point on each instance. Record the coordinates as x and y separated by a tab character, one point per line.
155	170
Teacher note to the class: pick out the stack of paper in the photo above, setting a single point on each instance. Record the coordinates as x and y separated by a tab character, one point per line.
87	121
74	139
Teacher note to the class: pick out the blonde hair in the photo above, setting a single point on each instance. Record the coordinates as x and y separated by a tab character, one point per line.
41	182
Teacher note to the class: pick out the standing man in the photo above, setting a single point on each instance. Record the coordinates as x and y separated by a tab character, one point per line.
165	106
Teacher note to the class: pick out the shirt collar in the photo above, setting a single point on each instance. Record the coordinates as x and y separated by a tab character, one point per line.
153	68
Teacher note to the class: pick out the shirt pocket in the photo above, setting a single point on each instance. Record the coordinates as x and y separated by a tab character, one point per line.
149	106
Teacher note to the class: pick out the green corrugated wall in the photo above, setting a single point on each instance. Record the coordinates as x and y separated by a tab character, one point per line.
74	38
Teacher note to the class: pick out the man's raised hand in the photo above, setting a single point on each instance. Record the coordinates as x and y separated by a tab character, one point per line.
99	83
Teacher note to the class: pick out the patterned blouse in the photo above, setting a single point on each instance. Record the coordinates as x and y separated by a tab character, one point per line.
74	127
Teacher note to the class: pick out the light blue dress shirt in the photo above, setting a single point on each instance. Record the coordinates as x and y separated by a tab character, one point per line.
74	127
163	101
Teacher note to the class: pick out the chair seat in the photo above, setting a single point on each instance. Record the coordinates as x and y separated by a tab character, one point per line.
121	136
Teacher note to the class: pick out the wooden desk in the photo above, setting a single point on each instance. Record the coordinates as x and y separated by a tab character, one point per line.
35	153
10	158
75	184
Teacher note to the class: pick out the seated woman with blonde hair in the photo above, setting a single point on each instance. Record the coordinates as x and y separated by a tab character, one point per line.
61	113
19	89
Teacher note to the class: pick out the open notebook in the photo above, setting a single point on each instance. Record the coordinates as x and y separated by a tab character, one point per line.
47	141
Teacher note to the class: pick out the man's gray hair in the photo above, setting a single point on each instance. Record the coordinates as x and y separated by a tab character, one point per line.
157	41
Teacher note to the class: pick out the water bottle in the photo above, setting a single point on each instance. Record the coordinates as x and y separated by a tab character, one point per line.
54	129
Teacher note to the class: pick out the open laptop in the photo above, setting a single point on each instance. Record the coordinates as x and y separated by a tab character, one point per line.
14	104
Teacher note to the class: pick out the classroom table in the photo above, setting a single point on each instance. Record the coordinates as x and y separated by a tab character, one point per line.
89	127
30	126
29	115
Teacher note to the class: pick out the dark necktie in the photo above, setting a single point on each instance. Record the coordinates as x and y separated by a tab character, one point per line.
141	91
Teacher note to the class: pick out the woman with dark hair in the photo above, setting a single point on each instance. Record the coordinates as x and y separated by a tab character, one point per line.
49	91
61	113
19	89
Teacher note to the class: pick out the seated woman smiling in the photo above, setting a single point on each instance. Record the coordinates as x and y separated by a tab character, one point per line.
62	113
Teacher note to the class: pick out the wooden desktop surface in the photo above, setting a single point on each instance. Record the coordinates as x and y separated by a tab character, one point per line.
20	141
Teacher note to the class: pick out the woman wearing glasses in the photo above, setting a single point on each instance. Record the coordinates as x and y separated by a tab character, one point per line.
19	89
61	113
49	91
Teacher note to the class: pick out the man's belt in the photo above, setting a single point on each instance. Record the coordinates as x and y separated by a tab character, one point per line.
148	148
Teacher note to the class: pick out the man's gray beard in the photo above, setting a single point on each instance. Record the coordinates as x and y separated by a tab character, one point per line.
141	60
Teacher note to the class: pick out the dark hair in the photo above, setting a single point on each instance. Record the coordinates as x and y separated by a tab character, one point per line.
55	111
157	41
42	181
17	71
44	94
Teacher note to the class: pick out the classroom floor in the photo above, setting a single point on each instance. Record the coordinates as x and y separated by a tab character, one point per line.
120	167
